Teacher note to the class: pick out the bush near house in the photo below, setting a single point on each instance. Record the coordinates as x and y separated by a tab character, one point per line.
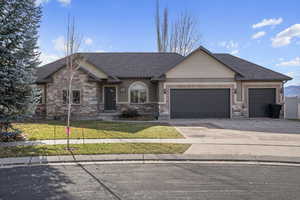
10	134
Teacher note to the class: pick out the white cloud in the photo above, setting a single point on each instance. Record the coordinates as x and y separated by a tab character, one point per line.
88	41
234	52
268	22
59	43
230	46
284	37
290	74
294	62
40	2
48	58
258	34
65	2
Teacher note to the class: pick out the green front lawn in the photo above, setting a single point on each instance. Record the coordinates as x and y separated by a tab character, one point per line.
86	149
97	129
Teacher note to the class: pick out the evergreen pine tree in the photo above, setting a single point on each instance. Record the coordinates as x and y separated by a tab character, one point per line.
19	23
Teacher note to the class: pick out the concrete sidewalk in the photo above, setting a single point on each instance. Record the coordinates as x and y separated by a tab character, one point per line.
212	141
126	158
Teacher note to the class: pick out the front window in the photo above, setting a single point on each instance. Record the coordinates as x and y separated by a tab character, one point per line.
65	96
138	93
75	96
41	97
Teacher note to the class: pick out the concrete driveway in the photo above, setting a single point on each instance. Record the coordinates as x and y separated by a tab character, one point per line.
240	136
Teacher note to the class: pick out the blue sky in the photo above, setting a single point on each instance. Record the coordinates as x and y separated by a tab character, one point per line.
265	32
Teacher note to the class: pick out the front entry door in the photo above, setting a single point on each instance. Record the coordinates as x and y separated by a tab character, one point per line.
110	98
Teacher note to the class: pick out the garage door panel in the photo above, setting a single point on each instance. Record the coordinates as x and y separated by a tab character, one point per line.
200	103
259	101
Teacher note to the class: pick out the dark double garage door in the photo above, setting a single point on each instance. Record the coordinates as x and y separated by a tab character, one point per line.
200	103
215	103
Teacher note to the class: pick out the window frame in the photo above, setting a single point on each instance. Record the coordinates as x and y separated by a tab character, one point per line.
147	92
71	96
42	97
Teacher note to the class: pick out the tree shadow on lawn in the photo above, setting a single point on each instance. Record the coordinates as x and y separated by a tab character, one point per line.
31	150
34	182
128	127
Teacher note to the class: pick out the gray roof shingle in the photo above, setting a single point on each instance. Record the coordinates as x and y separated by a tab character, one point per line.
121	65
149	65
249	70
132	65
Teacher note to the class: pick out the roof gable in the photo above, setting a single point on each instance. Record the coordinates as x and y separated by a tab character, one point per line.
200	64
96	72
201	48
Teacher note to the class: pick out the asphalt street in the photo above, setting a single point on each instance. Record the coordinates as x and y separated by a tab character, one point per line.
150	181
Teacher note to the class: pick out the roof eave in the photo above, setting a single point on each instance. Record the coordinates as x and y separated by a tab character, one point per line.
44	81
158	78
262	79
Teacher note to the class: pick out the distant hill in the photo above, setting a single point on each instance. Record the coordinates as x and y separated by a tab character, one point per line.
293	90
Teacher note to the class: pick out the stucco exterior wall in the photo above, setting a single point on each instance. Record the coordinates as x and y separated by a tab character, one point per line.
92	69
200	65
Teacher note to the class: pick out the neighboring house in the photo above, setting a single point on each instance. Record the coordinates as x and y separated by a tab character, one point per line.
166	85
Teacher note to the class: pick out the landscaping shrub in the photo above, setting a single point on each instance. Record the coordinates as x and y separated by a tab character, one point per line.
10	134
129	113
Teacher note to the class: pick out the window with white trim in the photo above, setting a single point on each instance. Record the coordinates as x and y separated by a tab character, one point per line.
138	93
75	97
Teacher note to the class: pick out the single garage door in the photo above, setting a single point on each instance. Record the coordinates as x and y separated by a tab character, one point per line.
259	101
200	103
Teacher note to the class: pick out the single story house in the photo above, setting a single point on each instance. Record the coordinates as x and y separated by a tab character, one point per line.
166	85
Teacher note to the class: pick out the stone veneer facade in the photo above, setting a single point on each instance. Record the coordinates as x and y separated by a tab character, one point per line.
92	99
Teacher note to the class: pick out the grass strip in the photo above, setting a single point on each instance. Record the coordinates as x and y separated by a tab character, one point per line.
88	149
97	130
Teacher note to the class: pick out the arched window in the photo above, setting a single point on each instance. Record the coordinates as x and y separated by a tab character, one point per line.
138	92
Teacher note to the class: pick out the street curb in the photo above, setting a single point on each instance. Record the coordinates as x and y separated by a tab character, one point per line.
148	158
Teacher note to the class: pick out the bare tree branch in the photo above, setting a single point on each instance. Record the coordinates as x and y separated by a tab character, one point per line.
164	28
183	37
157	24
72	45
